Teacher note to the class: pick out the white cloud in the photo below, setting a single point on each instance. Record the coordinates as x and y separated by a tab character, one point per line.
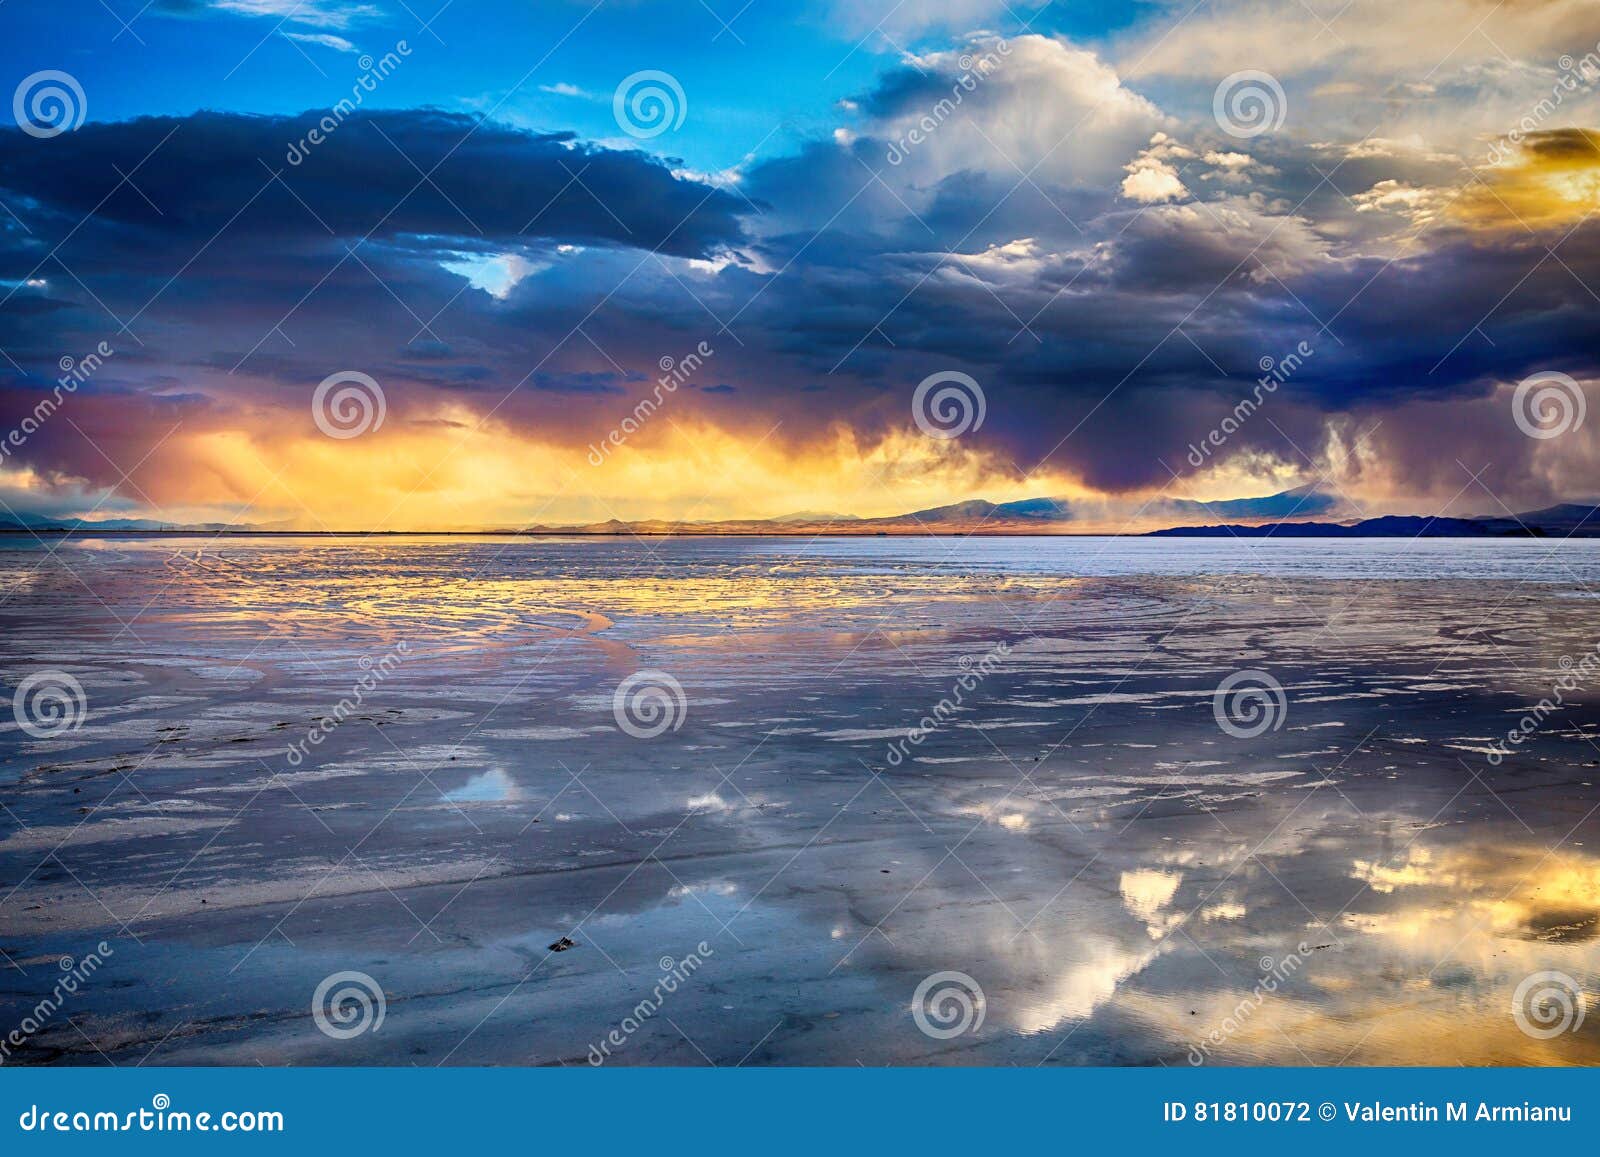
1419	205
1450	71
1151	177
1150	181
317	13
1412	40
1030	105
326	39
1229	160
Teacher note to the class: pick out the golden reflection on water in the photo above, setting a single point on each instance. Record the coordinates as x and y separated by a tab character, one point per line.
305	590
1520	894
1421	971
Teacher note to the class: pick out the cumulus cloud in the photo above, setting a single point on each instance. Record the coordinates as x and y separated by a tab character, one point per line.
1152	176
1031	106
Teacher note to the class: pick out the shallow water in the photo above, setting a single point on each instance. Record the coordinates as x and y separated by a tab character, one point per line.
1123	879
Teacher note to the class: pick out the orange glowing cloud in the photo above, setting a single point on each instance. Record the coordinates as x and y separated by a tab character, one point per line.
1550	180
456	471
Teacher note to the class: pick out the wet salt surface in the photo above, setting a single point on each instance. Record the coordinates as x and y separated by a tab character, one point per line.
1079	836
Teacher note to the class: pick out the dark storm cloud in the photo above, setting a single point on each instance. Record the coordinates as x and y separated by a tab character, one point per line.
1565	145
227	280
385	175
1129	332
1108	336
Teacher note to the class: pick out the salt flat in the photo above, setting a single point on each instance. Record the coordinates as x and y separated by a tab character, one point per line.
1116	876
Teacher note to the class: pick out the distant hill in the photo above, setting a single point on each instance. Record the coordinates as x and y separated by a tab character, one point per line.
813	516
39	522
1571	516
1303	500
1568	520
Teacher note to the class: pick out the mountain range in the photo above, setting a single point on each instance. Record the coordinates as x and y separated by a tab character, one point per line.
980	516
1565	520
1286	514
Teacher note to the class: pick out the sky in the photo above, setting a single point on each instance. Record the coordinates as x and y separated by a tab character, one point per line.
435	264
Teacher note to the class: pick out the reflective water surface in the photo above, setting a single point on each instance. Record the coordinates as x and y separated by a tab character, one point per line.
402	757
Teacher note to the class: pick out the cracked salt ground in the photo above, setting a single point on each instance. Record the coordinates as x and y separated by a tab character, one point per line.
1112	875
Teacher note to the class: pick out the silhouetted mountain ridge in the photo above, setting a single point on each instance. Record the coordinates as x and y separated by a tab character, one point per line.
1565	520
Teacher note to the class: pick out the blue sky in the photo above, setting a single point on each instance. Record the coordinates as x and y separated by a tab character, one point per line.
759	66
